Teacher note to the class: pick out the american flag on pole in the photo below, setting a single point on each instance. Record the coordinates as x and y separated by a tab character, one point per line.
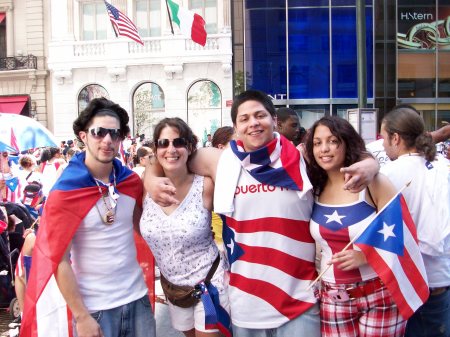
391	248
122	24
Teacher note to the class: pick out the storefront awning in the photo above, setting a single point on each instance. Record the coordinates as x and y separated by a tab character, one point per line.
2	17
12	104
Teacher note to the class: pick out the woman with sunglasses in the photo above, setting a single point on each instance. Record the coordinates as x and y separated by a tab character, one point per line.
180	235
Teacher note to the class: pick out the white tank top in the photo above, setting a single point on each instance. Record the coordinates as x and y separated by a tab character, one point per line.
104	258
182	242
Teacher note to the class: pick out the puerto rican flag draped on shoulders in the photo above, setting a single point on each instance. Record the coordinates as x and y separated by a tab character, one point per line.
276	164
271	253
391	248
71	198
122	24
191	24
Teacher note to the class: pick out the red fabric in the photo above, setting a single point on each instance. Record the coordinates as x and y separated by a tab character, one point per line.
63	213
12	104
14	141
2	17
198	32
368	316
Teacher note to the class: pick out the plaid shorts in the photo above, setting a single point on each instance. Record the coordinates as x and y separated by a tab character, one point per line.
372	315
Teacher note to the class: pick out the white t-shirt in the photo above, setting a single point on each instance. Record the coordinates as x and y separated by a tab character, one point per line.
104	258
428	201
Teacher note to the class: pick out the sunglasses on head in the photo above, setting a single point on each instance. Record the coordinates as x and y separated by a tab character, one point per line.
177	142
99	132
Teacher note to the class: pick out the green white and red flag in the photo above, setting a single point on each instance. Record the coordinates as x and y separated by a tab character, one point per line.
191	24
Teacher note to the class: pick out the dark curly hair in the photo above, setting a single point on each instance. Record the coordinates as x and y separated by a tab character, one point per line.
183	129
344	131
406	121
101	107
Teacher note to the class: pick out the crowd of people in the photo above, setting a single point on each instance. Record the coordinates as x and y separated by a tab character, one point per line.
275	197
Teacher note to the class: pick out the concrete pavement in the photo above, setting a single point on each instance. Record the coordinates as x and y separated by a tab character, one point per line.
163	325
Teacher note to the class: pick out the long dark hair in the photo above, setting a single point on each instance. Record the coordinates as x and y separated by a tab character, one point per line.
344	131
406	122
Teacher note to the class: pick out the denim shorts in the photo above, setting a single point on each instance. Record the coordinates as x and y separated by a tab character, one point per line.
134	319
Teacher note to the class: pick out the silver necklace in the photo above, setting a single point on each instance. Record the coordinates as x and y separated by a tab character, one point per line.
110	216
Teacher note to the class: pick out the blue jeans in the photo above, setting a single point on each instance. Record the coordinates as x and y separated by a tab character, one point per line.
307	324
134	319
432	319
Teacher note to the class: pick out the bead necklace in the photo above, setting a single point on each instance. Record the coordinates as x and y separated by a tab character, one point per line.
109	217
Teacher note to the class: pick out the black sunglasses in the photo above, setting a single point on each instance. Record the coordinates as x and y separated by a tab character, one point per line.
177	142
99	132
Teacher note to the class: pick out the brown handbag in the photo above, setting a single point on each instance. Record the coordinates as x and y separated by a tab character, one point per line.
186	296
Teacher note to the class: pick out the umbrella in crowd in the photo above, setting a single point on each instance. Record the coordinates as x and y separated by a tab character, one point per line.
19	133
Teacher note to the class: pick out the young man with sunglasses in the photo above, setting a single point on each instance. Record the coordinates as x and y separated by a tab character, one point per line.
264	197
86	238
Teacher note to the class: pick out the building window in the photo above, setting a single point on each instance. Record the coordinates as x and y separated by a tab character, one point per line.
207	9
88	93
204	108
148	17
94	21
148	108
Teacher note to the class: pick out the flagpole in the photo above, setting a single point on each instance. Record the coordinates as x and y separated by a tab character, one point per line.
357	236
170	18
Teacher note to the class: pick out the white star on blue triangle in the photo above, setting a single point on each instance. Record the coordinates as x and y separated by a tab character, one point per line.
386	230
234	251
334	217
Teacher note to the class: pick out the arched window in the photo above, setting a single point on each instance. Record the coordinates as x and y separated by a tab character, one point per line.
88	93
204	108
148	104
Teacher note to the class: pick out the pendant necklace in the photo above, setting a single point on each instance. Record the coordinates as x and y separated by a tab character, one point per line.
109	217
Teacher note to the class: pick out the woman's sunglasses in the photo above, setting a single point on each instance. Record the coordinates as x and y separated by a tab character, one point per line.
99	132
177	143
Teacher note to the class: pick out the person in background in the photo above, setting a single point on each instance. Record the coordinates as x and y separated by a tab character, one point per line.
338	216
180	235
208	142
50	162
9	190
412	154
143	157
31	184
220	140
86	238
222	137
29	171
23	266
288	123
69	155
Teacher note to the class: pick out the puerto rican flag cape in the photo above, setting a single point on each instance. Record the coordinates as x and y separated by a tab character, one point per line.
72	197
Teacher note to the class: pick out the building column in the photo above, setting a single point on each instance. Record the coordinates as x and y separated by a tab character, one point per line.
10	31
59	17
